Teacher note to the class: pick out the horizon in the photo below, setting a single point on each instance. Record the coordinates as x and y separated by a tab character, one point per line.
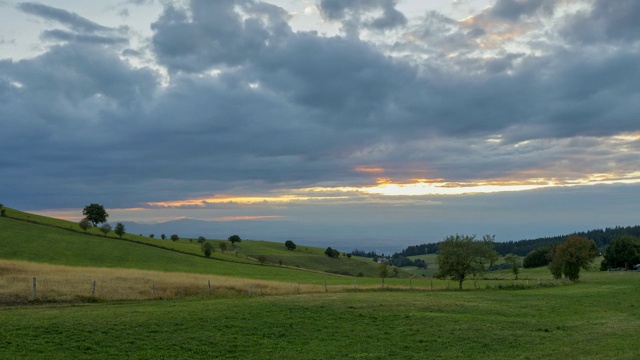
381	122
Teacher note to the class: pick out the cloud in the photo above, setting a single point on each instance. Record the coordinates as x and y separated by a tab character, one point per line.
516	9
61	35
70	19
605	21
236	102
377	15
216	34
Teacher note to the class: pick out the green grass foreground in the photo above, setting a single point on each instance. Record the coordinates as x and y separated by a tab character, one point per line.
597	318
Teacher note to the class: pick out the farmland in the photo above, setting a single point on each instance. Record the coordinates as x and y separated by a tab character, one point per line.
155	302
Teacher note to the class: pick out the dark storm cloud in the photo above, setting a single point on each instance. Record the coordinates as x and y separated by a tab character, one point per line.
351	12
250	105
215	34
70	19
606	21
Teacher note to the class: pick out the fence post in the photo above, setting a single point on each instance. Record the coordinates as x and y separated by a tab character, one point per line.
209	287
93	289
325	286
35	291
153	289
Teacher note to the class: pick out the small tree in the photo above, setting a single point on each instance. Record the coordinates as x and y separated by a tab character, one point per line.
234	239
332	253
201	239
175	237
151	235
163	236
3	211
384	270
514	261
576	253
95	213
462	255
537	258
223	246
262	259
290	245
119	230
207	249
84	224
105	228
349	256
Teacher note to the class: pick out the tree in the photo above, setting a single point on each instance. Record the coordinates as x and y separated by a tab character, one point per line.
514	261
223	246
262	259
206	248
290	245
349	256
163	236
119	230
384	270
174	237
623	252
332	253
576	253
84	224
95	213
151	236
201	239
105	228
537	258
234	239
3	211
461	255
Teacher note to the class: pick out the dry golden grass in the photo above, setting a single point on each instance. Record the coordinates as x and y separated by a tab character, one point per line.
68	284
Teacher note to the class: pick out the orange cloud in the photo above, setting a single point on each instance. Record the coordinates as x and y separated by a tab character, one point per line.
370	170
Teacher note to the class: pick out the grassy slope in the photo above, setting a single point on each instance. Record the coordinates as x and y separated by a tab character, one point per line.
62	242
32	242
595	319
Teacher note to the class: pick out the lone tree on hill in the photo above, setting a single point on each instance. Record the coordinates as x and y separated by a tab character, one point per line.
332	253
3	211
175	237
95	213
105	228
576	253
206	248
290	245
462	255
163	236
201	239
84	224
119	230
234	239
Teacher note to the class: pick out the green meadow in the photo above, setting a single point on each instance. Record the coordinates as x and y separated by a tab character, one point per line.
275	311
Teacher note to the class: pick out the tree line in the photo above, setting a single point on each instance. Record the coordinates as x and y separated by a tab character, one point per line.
601	237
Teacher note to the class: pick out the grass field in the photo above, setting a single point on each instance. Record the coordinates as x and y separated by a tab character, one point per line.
36	238
597	318
154	302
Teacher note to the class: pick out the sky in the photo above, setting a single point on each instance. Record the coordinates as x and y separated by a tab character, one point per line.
370	124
